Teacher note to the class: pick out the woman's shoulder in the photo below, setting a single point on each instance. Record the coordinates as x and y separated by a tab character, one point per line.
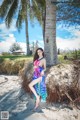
35	62
44	59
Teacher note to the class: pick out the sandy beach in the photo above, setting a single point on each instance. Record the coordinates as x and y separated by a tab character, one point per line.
20	105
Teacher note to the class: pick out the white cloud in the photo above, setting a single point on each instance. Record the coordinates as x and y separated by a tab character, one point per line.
4	29
7	36
5	32
72	30
23	46
76	33
5	45
68	44
9	39
11	35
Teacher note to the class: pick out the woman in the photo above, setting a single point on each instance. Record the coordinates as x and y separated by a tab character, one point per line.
37	85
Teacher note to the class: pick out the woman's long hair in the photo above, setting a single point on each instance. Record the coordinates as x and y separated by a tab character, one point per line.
36	54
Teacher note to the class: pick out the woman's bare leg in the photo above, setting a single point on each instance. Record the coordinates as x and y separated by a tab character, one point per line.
34	91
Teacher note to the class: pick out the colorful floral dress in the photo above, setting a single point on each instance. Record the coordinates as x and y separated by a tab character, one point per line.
40	87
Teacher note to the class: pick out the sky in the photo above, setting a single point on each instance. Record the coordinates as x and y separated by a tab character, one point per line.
66	38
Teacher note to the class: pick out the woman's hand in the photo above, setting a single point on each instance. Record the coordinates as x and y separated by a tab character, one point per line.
42	73
35	67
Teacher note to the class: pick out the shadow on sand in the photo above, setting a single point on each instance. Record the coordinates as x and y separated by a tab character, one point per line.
18	104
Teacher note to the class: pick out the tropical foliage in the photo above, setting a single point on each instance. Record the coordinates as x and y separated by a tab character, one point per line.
14	47
21	10
68	11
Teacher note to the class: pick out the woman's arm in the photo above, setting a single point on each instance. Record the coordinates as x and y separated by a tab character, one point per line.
44	65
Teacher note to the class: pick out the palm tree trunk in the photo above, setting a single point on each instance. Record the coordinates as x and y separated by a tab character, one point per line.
44	19
27	38
50	34
27	35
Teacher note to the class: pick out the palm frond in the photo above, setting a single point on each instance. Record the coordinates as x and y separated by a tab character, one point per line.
24	5
31	14
37	11
11	13
19	20
41	3
5	7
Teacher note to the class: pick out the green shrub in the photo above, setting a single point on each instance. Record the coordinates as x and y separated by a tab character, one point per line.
5	53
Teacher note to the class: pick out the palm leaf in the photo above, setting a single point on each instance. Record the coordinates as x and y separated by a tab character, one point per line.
37	11
11	13
24	8
19	20
5	7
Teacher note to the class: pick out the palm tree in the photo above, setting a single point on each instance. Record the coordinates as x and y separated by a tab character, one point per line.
23	9
49	28
68	12
9	8
42	9
50	34
48	22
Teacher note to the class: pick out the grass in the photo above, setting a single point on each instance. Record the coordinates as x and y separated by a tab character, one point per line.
61	60
24	57
12	64
15	56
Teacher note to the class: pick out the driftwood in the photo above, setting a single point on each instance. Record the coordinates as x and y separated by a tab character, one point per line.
62	81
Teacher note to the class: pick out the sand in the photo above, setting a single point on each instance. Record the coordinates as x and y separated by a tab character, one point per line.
20	105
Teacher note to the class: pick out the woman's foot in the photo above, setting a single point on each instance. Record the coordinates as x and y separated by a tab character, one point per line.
37	102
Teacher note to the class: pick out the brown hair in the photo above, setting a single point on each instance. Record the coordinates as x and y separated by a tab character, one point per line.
36	54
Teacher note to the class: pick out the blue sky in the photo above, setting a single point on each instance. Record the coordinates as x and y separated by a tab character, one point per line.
66	38
35	32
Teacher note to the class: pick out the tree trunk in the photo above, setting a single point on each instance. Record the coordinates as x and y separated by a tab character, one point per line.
50	34
27	35
44	20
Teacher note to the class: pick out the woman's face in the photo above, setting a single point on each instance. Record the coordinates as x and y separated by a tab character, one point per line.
40	52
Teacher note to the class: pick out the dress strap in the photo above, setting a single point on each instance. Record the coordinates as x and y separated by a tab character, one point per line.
40	59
